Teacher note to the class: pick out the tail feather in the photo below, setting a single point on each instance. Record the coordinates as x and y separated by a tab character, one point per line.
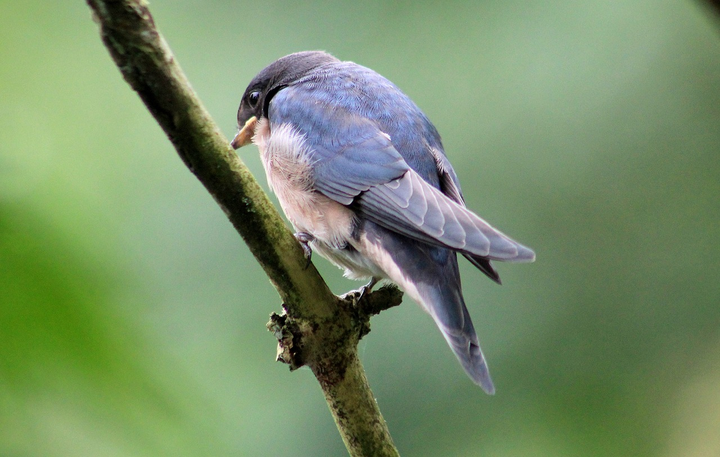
472	360
460	335
430	276
483	264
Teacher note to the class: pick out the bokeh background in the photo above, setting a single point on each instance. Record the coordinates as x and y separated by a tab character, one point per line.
132	316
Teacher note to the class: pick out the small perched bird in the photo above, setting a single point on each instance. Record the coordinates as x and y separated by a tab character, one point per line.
361	174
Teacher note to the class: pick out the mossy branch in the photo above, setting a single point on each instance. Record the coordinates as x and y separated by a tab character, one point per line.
317	329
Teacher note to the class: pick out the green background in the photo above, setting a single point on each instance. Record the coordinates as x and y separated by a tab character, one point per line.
132	316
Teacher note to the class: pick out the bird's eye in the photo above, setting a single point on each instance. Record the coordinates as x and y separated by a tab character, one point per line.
253	99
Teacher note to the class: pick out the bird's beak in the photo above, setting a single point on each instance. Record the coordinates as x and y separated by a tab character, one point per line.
244	136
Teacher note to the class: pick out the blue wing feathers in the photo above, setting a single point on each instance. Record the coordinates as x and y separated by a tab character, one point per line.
362	134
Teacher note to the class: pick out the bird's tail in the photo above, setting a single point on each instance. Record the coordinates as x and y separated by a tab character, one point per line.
430	276
445	304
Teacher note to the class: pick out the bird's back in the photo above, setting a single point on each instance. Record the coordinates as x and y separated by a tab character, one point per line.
353	88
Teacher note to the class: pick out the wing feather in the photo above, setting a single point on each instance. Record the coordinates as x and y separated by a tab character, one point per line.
436	220
357	164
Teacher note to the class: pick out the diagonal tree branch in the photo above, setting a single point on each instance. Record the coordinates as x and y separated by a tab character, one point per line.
317	329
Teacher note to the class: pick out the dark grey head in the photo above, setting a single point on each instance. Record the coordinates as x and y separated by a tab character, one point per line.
270	80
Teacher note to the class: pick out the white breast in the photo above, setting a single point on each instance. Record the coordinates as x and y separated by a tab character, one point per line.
287	163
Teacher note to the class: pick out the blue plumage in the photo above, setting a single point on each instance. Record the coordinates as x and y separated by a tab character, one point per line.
346	102
361	172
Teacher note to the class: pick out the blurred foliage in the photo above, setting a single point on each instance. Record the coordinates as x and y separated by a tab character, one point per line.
132	316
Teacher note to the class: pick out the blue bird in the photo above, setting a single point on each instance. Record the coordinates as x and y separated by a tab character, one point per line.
361	174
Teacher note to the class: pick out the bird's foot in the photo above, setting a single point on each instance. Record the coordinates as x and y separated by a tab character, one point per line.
305	239
366	289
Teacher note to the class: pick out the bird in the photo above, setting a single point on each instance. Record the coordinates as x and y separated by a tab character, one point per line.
361	174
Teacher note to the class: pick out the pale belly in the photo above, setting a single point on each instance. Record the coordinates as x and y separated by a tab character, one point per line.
288	168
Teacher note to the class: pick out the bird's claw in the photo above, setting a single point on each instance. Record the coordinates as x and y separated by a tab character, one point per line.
366	289
305	239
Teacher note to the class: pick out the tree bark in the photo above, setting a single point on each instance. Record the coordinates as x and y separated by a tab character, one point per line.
317	328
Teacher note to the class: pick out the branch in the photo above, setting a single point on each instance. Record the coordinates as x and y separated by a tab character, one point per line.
318	329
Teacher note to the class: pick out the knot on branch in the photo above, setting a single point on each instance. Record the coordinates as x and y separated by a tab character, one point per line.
303	341
287	331
363	305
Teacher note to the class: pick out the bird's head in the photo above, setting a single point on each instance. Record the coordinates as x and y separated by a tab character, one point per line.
279	74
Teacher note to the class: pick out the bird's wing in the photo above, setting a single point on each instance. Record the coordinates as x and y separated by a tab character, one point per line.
356	164
409	205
